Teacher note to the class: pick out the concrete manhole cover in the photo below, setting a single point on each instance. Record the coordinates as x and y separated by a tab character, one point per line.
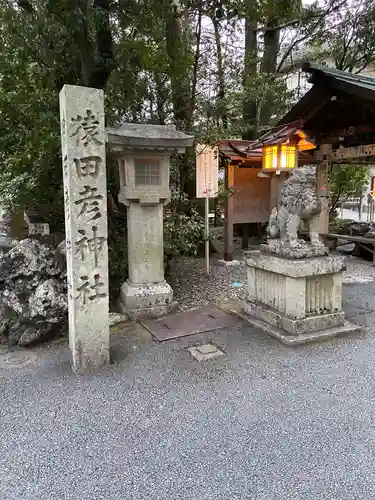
17	359
205	352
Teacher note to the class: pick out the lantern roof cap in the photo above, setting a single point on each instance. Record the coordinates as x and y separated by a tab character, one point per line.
140	135
290	133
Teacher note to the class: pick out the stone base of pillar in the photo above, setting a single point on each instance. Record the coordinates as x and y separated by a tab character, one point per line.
146	300
95	355
296	300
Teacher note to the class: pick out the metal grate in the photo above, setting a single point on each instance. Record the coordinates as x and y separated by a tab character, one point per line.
190	322
147	172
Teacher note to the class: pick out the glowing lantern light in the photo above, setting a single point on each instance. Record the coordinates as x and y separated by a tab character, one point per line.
280	157
280	149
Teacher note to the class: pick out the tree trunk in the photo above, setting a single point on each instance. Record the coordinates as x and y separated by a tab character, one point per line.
183	84
221	104
250	112
95	51
82	41
161	99
268	69
104	41
178	68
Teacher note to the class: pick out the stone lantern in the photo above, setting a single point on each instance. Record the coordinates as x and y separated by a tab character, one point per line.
143	153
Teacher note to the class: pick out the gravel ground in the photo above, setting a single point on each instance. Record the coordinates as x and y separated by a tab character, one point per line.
263	422
192	288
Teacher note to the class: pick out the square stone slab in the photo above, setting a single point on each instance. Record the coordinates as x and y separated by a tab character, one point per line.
205	352
305	338
190	322
207	349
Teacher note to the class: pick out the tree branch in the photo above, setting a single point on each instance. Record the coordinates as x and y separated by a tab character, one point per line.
26	6
300	20
294	43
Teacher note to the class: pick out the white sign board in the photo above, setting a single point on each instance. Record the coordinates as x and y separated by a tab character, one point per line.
207	171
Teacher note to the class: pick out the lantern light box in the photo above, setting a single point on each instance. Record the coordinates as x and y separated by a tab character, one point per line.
284	155
280	147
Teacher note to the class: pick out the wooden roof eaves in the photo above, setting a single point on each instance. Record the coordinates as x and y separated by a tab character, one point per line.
236	150
312	102
355	90
358	79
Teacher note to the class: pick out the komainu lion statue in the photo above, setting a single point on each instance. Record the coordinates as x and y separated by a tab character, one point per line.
298	202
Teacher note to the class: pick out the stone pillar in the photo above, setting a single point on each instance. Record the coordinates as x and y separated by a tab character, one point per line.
145	293
85	196
145	243
322	180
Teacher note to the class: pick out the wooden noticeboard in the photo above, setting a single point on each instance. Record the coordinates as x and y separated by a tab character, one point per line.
207	166
207	175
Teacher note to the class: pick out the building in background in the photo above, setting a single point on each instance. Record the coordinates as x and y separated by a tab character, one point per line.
297	82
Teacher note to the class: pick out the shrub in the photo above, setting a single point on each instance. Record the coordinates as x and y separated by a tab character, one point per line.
183	234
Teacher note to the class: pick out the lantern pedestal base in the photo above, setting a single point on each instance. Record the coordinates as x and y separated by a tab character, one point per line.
146	300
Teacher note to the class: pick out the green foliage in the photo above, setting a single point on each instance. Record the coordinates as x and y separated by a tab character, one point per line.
183	234
225	193
346	181
152	74
340	226
118	263
30	162
284	9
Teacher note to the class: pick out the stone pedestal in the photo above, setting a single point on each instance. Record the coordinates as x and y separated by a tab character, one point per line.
296	300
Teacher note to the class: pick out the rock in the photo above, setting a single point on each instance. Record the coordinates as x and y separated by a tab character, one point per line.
15	332
346	249
53	239
362	250
359	228
116	318
28	259
49	301
41	332
33	300
7	243
61	248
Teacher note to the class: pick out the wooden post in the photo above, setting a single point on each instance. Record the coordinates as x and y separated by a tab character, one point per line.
207	233
228	225
276	182
322	181
245	236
